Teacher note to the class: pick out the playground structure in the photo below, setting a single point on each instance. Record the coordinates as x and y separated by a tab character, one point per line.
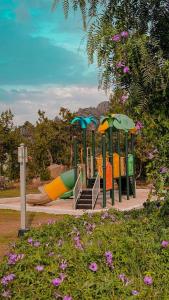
92	173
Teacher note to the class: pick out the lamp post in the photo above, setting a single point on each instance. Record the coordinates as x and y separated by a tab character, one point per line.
22	159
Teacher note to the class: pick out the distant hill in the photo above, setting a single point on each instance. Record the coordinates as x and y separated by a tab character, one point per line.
101	109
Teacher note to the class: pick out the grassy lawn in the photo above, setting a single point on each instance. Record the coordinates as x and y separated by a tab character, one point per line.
10	222
113	255
15	192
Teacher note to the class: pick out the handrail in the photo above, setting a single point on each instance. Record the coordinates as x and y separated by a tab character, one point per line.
77	188
95	190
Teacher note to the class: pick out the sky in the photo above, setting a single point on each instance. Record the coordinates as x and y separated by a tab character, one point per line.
43	61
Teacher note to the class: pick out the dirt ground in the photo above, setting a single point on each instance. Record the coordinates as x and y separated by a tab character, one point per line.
10	223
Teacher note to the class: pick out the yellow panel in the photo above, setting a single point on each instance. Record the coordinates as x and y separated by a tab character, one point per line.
103	127
55	188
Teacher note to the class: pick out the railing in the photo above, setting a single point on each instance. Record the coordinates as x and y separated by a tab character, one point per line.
77	188
95	190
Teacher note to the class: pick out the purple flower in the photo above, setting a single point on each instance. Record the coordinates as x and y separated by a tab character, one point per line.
56	281
123	278
164	244
13	258
124	98
6	294
120	64
134	292
62	276
109	259
90	227
67	297
93	267
148	280
163	170
51	254
116	38
39	268
63	265
139	125
36	244
105	215
60	243
30	240
126	70
78	243
150	155
125	34
6	279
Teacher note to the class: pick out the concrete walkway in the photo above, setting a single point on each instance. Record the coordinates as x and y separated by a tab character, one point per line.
61	207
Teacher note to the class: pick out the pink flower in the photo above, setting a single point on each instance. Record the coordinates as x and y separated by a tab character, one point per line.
36	244
150	155
124	98
30	240
139	125
56	281
93	267
126	70
116	38
63	265
67	297
120	64
164	244
148	280
125	34
39	268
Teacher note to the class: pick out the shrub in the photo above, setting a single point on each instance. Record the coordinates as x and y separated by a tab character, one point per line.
106	256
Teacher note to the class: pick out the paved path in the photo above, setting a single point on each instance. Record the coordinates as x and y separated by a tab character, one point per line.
61	207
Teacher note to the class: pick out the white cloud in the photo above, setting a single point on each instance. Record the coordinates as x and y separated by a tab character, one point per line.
25	101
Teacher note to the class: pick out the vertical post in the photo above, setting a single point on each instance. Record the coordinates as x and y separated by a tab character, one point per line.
111	161
119	153
127	171
93	152
75	156
104	168
133	153
22	159
85	153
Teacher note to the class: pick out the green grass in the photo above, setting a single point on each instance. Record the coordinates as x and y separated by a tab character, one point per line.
15	192
134	239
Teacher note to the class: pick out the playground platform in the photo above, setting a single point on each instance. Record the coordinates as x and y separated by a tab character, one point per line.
62	207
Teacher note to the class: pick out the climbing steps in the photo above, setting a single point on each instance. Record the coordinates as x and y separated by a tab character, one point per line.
85	199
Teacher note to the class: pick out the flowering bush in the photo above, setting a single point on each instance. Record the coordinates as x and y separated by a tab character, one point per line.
111	255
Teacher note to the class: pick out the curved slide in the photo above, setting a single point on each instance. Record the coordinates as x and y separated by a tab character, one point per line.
53	190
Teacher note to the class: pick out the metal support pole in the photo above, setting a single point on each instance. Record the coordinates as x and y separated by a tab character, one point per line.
111	161
22	159
104	169
133	153
85	153
75	156
127	171
93	152
119	153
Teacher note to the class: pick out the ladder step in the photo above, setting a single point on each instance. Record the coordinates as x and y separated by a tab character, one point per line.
84	206
84	196
84	201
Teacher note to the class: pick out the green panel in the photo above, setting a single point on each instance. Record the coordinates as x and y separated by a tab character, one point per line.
130	164
67	195
123	122
68	178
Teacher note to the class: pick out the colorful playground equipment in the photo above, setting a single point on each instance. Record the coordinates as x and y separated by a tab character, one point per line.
91	172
